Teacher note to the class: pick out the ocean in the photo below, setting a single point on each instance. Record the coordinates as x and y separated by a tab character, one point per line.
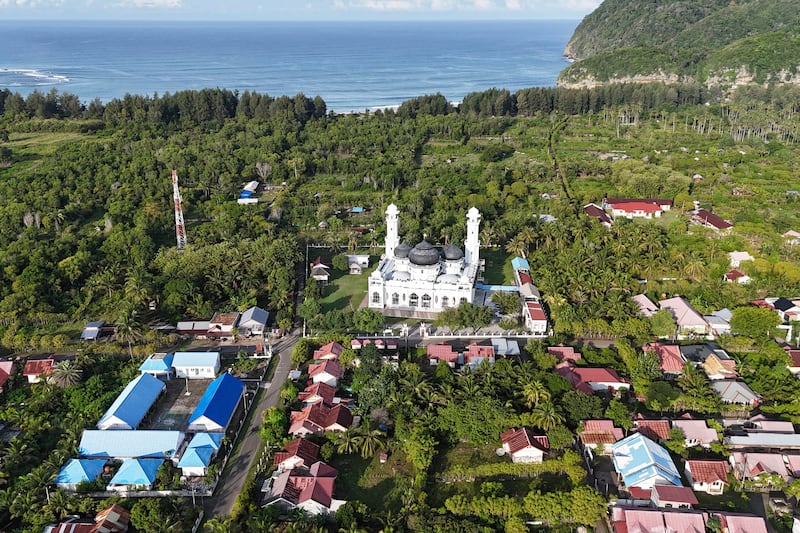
353	66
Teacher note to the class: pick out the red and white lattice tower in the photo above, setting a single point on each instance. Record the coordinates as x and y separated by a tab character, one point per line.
180	227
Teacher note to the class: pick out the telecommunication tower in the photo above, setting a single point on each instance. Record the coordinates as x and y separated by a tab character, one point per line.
180	227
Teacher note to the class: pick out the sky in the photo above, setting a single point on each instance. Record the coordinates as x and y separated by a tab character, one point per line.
295	10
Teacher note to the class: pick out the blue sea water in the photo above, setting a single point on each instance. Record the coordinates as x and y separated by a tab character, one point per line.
352	65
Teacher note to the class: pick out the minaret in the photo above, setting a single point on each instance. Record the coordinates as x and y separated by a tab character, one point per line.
472	245
392	240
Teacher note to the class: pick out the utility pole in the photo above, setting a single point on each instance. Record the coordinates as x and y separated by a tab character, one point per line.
180	226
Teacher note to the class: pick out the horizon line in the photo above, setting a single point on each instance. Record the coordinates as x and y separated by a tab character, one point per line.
257	21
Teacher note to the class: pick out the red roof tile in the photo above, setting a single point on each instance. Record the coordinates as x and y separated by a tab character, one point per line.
330	366
654	429
37	367
633	206
520	439
535	311
318	392
442	352
710	219
303	449
331	349
671	493
709	471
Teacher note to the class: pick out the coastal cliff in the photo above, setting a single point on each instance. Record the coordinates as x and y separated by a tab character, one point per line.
721	43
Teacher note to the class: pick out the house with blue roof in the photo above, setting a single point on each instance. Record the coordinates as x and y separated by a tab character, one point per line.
158	365
130	444
520	263
79	471
199	453
135	473
643	463
196	365
132	404
217	406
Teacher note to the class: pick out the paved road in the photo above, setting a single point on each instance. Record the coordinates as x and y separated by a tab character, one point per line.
229	488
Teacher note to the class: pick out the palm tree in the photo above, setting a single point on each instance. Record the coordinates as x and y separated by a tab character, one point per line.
535	393
129	329
546	417
66	373
60	503
370	442
347	442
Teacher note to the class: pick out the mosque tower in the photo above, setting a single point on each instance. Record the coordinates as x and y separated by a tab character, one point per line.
471	245
392	239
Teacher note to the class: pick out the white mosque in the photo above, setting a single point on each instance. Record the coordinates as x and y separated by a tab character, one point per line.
424	279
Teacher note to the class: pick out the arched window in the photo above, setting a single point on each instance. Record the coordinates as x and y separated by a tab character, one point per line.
426	301
413	300
376	297
395	299
462	300
445	301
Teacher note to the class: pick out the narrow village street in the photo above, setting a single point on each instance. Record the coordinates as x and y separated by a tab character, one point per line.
231	485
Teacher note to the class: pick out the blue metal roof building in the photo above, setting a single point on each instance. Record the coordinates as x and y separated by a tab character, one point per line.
519	263
207	439
199	454
92	331
643	463
78	471
136	473
132	404
130	444
218	404
158	364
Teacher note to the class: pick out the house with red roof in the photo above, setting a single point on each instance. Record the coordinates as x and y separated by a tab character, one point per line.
697	432
741	523
6	371
673	497
319	418
710	220
663	203
597	433
597	212
634	209
655	430
332	350
477	353
669	356
637	520
442	352
299	453
113	519
329	371
755	466
689	321
735	276
709	476
647	307
35	369
591	380
564	353
794	364
317	393
535	317
524	446
308	489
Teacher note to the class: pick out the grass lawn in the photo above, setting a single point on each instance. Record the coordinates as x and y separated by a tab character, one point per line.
369	481
465	454
345	291
498	267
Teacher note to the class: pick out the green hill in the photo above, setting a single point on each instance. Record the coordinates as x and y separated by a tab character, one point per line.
719	42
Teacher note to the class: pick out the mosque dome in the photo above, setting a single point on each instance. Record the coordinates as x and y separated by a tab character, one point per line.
424	254
453	252
402	250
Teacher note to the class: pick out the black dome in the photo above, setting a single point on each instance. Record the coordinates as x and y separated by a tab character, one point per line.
424	254
453	252
401	252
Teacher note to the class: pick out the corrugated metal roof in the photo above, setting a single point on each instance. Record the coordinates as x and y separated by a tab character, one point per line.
137	472
519	263
219	401
199	456
256	314
129	443
133	403
639	459
206	439
191	359
158	362
78	470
